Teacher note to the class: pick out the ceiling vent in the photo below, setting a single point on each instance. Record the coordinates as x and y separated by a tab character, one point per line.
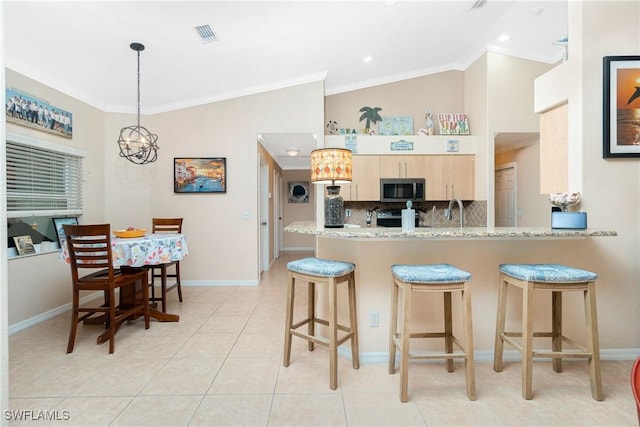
206	34
477	4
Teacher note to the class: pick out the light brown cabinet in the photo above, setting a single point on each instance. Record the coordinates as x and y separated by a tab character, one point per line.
365	182
450	176
398	166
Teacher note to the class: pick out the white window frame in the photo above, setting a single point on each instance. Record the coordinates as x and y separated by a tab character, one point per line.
58	148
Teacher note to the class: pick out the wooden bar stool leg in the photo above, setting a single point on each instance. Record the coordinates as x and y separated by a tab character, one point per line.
353	323
405	339
289	320
500	325
393	328
593	344
468	342
311	314
448	329
333	335
556	328
527	340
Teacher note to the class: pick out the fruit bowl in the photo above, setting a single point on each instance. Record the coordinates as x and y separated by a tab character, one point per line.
138	232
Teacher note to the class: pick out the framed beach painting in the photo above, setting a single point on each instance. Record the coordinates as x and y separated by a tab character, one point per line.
621	106
57	225
200	175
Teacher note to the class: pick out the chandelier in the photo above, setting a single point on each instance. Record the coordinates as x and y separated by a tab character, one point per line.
136	143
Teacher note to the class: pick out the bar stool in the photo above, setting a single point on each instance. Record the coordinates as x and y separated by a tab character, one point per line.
323	271
430	278
557	279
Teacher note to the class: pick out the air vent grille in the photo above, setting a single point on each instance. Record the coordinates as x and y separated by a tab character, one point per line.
206	33
477	4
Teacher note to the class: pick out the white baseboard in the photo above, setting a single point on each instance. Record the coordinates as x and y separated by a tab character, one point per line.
486	356
220	282
298	249
27	323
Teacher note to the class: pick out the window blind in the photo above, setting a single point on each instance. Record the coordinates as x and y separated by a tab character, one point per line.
42	182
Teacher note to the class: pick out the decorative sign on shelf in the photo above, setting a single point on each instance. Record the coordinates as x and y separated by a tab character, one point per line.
351	143
453	124
453	146
401	145
396	125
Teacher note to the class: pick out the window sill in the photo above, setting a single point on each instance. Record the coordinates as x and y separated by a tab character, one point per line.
12	253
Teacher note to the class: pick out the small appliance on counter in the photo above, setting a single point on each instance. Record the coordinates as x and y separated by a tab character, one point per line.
392	218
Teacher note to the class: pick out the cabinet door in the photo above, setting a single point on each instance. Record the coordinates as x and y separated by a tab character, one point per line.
462	177
450	176
436	173
365	183
401	166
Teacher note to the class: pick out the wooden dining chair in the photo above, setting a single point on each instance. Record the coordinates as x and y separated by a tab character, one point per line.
90	251
160	271
635	385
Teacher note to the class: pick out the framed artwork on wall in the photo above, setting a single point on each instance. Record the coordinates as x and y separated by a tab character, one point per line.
621	106
200	175
298	192
57	225
27	110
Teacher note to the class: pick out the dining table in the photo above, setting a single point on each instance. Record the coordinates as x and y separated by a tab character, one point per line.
139	252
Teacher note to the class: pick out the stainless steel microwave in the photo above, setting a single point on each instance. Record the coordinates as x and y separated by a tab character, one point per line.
402	189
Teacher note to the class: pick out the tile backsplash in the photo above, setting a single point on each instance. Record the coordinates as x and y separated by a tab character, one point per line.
475	213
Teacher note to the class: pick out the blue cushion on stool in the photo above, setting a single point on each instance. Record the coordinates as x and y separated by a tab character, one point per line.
547	273
432	273
321	267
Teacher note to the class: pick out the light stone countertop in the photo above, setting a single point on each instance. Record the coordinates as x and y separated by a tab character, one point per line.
441	233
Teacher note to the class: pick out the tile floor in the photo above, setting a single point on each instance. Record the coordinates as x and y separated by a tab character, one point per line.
221	365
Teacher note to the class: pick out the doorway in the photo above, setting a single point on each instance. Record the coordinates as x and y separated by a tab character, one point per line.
505	195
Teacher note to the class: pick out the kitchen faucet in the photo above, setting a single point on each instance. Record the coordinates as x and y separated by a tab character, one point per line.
460	208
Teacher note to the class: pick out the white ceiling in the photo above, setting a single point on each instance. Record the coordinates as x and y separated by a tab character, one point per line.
82	48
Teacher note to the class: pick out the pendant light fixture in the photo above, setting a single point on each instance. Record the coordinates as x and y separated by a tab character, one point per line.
136	143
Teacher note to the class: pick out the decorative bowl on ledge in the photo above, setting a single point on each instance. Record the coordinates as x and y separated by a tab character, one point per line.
565	200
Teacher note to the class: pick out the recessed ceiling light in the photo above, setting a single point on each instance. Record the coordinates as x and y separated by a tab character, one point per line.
504	37
537	10
292	152
368	58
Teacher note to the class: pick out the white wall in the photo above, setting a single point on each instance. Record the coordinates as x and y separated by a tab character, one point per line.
222	229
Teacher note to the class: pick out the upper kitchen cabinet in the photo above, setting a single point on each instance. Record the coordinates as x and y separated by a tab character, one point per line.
551	102
365	180
398	166
450	176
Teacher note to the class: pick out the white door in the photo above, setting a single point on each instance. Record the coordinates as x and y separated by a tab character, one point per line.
264	215
505	196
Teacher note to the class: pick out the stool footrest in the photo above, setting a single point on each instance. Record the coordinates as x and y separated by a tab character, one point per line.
396	339
507	337
323	341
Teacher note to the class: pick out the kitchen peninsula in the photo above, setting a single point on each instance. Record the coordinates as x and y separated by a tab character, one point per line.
478	250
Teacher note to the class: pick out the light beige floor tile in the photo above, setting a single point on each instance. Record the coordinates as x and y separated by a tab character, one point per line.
201	346
443	409
120	377
369	378
159	411
224	324
380	409
244	375
91	411
307	410
184	376
267	345
308	372
233	410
